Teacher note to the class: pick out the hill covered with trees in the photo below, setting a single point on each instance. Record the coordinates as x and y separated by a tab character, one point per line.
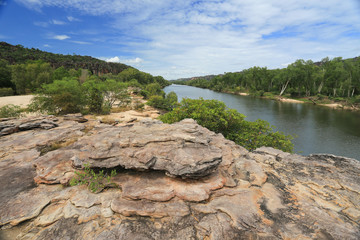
17	54
24	70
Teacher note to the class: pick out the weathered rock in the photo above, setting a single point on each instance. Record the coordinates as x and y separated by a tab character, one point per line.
16	125
78	117
265	194
179	149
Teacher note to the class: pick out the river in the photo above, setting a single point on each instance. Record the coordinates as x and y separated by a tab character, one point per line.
318	129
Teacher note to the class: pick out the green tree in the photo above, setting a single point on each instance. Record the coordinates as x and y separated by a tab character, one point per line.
214	115
168	102
116	92
18	76
60	97
5	75
94	90
61	72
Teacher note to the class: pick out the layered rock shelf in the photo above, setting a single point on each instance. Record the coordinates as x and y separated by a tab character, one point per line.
178	181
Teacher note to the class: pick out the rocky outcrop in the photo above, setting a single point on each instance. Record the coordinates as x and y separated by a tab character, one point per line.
178	181
11	126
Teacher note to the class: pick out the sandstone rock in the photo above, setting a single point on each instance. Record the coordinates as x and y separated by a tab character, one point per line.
264	194
16	125
78	117
177	149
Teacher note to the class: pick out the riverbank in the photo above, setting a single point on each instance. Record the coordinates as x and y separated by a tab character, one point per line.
309	100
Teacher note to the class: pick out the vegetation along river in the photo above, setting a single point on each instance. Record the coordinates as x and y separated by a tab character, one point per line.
318	129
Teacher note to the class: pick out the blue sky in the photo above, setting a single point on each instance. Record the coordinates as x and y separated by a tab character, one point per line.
184	38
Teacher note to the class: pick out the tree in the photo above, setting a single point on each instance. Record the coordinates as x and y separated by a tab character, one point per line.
18	77
94	94
5	75
61	72
116	92
214	115
60	97
169	102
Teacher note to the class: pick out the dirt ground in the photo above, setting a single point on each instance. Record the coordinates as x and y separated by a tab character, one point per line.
22	100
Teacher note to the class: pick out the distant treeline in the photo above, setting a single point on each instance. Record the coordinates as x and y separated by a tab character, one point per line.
330	77
18	54
25	70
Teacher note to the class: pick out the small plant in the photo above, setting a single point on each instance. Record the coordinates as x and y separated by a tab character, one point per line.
138	105
96	182
10	110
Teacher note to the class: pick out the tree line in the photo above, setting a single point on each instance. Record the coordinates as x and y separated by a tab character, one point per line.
17	54
330	77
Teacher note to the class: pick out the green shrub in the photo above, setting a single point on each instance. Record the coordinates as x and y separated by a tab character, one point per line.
167	103
6	92
96	182
60	97
10	110
214	115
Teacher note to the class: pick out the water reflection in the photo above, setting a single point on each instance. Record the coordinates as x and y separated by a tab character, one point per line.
318	129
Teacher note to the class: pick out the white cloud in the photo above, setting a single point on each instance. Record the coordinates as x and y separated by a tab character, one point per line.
80	42
58	22
131	61
72	19
47	46
209	37
61	37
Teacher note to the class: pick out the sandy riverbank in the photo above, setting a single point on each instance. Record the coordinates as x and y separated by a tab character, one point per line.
22	100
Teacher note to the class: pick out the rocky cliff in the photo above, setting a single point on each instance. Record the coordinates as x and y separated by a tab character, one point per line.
178	181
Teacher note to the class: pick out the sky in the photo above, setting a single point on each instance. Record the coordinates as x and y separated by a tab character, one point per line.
185	38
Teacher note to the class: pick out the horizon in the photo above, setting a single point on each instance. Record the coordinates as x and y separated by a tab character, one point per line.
184	39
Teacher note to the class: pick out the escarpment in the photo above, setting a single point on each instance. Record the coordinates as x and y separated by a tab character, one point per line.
178	181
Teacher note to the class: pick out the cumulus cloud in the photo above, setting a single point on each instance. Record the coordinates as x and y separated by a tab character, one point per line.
183	38
61	37
131	61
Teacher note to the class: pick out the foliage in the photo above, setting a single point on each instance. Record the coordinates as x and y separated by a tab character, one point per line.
10	110
138	105
152	89
6	92
94	94
20	55
5	74
95	182
214	115
60	97
167	103
335	78
116	92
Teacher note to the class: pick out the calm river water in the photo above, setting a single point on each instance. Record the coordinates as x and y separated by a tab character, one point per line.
318	129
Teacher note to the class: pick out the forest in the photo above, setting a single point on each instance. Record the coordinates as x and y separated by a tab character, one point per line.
24	71
334	79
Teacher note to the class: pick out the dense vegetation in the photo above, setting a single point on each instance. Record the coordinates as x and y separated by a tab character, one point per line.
20	55
214	115
334	79
70	83
96	94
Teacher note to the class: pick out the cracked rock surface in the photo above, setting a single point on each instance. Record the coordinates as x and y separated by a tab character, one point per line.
178	181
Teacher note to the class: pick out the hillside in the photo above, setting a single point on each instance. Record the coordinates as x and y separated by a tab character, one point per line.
17	54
